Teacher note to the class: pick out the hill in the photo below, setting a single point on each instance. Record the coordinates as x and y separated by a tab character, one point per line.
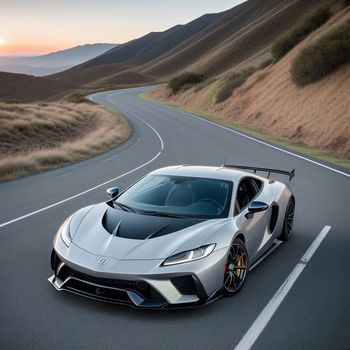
210	45
105	76
53	62
26	88
154	44
241	37
315	115
134	53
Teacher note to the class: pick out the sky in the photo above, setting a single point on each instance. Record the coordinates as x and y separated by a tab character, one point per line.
40	26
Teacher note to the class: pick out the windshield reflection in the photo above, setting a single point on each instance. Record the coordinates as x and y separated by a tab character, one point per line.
178	196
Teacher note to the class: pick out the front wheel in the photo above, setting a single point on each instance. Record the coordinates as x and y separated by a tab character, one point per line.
236	268
288	221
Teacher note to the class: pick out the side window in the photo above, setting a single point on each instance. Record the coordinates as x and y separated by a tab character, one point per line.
257	184
247	190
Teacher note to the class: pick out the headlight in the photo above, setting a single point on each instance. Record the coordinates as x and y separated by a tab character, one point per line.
189	255
64	232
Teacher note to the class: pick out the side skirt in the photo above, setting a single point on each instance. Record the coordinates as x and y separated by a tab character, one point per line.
275	244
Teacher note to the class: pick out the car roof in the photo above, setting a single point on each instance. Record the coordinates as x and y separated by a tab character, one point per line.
211	172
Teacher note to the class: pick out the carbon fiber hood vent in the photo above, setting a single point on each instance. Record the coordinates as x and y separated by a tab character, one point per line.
137	226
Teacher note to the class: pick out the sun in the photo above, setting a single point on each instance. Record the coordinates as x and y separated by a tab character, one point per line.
2	41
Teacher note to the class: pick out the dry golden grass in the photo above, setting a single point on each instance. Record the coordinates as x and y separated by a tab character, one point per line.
40	136
316	115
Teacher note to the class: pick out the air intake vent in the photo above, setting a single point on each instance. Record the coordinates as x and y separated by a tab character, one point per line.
274	216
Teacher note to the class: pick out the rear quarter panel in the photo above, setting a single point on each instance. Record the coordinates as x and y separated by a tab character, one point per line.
274	193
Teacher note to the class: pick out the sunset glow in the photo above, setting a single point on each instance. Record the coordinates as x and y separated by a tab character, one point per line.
7	49
38	26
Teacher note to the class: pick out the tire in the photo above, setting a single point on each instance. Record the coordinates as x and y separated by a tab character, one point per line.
288	221
236	268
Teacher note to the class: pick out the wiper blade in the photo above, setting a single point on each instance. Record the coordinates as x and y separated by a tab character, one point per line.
124	207
162	213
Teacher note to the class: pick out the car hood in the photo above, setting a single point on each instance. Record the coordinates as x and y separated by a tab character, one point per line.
130	236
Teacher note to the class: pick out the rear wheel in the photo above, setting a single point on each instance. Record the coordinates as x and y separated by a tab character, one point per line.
236	268
288	221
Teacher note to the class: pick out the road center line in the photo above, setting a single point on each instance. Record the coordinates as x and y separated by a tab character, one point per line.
95	187
266	314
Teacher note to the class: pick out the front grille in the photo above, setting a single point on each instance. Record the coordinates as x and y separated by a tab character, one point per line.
103	293
87	284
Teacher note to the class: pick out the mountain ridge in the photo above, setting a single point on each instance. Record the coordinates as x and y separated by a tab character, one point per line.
211	44
53	62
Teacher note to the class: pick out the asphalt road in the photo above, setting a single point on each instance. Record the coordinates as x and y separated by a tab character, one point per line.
315	314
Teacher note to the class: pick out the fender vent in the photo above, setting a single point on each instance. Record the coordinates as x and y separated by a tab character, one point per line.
274	216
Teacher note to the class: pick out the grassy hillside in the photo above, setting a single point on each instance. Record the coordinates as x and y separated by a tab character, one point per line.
40	136
241	37
88	76
313	116
26	88
154	44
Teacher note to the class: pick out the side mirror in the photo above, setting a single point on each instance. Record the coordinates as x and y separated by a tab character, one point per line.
113	192
256	207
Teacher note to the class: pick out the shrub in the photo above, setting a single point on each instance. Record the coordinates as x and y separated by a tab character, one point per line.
323	56
290	39
187	78
339	5
266	63
233	82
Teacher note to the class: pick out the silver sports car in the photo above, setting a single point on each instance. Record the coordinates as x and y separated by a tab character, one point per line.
180	236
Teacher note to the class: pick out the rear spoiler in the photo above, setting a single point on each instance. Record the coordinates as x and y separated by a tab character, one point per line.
291	174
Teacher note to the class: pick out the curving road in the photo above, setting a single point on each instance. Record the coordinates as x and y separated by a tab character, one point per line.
315	314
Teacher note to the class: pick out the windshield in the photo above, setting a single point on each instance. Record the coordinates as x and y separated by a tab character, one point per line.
179	196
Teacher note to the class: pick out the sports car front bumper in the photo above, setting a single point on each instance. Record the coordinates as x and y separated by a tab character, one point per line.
141	283
131	293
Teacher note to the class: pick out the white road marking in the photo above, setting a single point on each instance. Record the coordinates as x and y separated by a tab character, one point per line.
95	187
263	319
136	115
160	138
259	141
